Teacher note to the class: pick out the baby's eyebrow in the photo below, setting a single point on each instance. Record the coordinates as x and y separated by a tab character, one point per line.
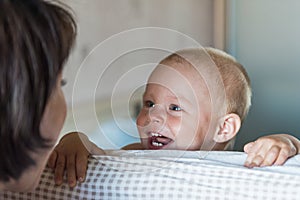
180	99
148	95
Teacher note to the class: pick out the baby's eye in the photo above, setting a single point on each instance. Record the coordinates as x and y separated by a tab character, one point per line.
174	107
63	82
149	104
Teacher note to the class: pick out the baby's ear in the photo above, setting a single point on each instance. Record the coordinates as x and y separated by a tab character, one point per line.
228	128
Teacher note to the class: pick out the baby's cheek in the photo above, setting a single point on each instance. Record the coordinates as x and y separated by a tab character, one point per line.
141	119
188	136
175	125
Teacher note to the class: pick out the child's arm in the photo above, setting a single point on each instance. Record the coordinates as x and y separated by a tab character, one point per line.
271	150
72	154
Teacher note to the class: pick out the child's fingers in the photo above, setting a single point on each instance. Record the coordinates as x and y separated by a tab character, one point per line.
270	150
81	166
253	160
59	169
284	154
52	159
253	147
257	161
248	147
249	159
271	156
71	171
256	155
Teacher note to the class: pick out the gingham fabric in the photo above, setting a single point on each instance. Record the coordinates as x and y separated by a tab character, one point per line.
173	175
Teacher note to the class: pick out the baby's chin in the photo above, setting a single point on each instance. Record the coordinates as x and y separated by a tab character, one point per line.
148	145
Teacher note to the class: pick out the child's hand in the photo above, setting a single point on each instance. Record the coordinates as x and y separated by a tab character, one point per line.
72	154
271	150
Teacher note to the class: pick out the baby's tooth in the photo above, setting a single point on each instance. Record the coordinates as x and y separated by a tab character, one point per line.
156	134
157	144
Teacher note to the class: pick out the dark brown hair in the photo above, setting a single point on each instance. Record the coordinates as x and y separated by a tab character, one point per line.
35	40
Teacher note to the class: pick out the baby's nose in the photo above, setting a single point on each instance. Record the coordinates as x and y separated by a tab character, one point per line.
158	113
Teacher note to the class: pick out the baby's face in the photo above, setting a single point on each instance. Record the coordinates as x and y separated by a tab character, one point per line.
176	110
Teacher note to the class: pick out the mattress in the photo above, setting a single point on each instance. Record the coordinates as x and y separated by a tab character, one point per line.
167	174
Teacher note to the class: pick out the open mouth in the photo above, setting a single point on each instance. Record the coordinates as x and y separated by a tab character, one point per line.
158	141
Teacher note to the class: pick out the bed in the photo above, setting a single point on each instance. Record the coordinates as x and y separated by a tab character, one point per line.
166	174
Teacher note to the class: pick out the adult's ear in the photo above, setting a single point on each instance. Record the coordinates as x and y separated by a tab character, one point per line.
228	127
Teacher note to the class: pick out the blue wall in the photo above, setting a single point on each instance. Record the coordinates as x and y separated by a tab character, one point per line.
264	35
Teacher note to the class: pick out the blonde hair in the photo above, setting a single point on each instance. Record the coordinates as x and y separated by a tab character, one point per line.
236	82
235	78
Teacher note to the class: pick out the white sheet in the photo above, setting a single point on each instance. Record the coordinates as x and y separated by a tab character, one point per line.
174	175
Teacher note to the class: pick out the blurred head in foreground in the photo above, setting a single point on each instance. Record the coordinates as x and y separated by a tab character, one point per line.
36	38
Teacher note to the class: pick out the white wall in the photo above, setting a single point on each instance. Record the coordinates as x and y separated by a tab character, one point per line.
264	36
98	20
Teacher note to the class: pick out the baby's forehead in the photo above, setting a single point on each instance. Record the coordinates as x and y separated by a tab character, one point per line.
178	77
182	71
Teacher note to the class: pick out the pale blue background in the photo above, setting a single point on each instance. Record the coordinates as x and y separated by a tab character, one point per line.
264	35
